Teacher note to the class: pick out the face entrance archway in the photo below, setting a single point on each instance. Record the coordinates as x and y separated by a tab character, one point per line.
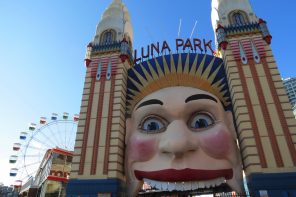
180	135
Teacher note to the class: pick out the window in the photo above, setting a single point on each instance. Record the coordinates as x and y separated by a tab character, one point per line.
58	159
108	37
238	18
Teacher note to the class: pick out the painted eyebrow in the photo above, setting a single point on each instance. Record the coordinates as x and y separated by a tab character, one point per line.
150	102
200	96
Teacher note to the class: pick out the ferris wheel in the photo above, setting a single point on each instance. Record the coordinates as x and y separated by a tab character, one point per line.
28	152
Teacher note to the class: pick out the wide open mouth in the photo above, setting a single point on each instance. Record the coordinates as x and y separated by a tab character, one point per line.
185	179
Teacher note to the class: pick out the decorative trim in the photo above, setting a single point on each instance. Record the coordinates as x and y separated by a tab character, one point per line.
266	115
109	125
86	128
98	128
249	155
280	112
55	178
110	47
242	52
104	62
252	164
248	46
99	74
234	30
256	56
252	116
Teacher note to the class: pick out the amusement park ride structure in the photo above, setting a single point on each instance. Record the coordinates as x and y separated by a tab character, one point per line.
43	155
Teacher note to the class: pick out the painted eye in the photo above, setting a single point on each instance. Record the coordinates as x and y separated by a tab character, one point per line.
152	125
201	121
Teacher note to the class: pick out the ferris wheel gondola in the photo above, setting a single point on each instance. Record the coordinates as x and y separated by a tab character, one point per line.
55	132
17	146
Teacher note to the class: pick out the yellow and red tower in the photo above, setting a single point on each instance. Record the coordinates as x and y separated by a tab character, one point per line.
98	160
265	123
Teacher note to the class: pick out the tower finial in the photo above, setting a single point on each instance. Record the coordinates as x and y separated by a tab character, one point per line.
117	1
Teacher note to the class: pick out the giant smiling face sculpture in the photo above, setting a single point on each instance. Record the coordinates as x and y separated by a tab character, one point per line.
180	138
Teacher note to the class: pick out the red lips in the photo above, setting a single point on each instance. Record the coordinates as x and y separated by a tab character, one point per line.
172	175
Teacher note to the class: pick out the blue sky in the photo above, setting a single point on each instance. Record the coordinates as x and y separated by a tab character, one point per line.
42	47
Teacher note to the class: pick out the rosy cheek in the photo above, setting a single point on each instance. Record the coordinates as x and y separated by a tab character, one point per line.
141	149
217	144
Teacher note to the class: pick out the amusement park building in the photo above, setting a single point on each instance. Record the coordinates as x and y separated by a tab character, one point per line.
264	122
51	177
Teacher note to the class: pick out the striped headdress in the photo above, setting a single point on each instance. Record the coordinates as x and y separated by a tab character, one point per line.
200	71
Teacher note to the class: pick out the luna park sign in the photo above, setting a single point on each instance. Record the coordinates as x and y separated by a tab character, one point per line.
154	49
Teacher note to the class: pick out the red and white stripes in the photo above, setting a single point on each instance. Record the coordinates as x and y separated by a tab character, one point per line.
104	65
247	47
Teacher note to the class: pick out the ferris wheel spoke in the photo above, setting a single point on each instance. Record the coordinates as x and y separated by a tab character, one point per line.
42	143
37	148
31	174
22	172
32	156
26	167
58	143
65	135
31	164
52	144
21	167
59	131
72	144
70	139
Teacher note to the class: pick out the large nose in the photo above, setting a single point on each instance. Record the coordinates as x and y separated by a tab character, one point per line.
177	139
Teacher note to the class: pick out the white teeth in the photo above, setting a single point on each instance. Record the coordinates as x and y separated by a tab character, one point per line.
208	184
164	186
187	186
194	185
220	181
201	184
158	185
171	186
179	186
184	186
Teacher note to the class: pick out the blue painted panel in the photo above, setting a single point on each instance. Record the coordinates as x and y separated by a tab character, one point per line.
91	188
277	184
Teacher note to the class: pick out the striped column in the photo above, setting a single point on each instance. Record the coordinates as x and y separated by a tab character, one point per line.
99	148
265	122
